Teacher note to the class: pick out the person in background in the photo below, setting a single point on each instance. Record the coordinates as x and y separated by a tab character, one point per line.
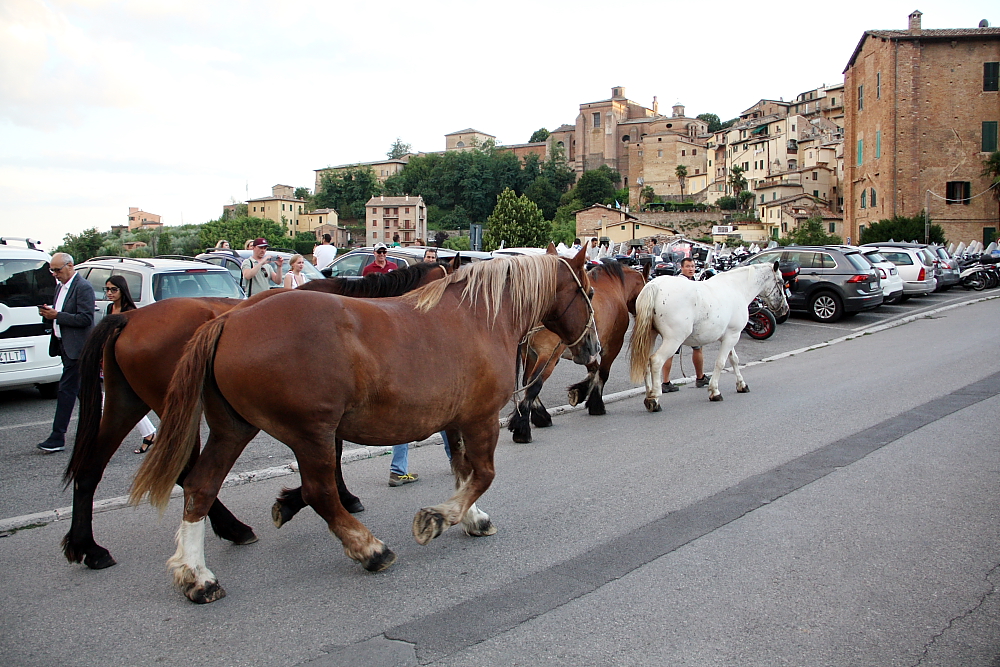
380	265
248	245
593	251
697	356
577	245
119	298
223	244
325	252
395	240
256	270
431	255
72	318
295	278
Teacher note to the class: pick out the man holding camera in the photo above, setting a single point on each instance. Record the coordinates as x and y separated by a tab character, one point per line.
257	272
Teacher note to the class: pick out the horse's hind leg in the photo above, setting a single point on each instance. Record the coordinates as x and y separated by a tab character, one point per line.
595	401
741	386
472	464
654	371
519	423
78	544
290	501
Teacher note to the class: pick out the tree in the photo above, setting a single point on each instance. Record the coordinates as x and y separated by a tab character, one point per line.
714	124
348	191
647	194
991	170
302	193
238	230
811	232
682	172
399	149
737	182
545	196
84	246
594	187
458	243
901	228
557	169
727	203
538	136
515	222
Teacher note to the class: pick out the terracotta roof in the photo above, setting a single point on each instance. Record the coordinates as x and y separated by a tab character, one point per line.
413	200
609	208
925	35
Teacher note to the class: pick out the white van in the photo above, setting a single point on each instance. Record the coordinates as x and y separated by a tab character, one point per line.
25	284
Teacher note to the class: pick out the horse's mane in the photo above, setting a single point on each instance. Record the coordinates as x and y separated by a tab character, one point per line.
374	285
611	268
529	281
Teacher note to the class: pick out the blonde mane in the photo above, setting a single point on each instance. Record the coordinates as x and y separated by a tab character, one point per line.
528	280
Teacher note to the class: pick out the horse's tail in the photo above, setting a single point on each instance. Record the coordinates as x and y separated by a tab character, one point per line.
89	423
181	419
643	336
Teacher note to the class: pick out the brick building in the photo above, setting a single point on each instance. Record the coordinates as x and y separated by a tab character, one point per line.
921	113
388	216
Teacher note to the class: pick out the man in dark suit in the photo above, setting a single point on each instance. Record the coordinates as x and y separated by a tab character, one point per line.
72	317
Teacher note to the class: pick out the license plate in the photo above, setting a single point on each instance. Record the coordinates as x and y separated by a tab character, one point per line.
12	356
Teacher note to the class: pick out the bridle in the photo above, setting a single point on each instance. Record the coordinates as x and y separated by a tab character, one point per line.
591	323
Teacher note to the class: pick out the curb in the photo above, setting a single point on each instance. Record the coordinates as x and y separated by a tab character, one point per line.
14	524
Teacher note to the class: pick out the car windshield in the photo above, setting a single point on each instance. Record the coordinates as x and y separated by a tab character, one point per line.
875	257
858	261
898	258
26	282
194	282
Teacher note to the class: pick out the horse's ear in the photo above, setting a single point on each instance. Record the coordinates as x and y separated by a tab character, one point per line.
777	265
456	262
551	250
580	259
645	271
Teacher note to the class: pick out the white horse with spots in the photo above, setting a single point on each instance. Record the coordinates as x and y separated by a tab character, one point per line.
686	312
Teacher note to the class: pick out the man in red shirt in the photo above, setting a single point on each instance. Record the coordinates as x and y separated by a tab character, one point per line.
380	265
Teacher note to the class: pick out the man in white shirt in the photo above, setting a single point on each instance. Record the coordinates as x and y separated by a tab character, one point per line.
324	253
593	251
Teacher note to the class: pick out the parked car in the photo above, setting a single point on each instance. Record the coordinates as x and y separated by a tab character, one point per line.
351	264
833	281
157	278
915	264
25	284
949	272
892	283
231	260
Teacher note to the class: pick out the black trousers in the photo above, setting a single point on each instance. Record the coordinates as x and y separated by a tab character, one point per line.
69	388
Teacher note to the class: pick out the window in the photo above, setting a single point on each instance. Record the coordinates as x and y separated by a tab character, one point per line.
874	199
597	120
623	229
694	151
989	136
833	227
696	172
746	166
684	153
282	207
833	101
861	97
861	151
958	192
878	144
861	230
878	85
816	194
659	153
815	175
991	76
864	199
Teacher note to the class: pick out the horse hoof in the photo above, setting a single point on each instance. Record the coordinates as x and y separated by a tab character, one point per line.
597	411
99	561
210	592
280	514
541	419
427	524
247	537
482	528
573	397
652	405
380	560
745	389
716	398
521	438
353	505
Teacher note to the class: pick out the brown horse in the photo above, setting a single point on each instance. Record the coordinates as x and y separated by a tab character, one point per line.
140	350
615	292
363	399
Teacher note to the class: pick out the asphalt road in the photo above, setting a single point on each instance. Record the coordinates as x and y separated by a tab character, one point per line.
842	513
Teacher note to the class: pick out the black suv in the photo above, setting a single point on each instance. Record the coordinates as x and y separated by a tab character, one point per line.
833	281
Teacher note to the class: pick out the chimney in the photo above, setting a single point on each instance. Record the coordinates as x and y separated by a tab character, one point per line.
915	20
656	105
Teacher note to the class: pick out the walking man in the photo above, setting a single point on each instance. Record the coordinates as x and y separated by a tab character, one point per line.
72	318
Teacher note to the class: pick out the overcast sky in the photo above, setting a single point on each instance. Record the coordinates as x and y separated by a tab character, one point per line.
180	106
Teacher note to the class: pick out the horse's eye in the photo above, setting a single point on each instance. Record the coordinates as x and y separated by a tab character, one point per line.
590	293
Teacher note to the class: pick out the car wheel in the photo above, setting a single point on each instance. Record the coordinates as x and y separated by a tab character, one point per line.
905	297
826	307
48	390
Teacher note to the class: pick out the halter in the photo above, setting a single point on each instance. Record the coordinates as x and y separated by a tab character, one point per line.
779	285
590	306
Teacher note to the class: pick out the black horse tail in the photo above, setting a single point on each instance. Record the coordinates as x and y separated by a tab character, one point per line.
102	337
181	418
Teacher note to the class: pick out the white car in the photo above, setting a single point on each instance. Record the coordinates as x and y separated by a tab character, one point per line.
25	284
889	278
914	263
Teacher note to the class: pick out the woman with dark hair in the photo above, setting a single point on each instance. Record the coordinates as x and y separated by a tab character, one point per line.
117	293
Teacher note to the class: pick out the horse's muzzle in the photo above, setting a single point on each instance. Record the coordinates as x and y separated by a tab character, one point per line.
588	351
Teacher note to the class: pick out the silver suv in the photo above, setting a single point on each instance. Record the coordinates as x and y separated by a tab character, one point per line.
157	278
25	284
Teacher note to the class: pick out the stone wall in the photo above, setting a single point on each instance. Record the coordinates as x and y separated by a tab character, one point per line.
692	223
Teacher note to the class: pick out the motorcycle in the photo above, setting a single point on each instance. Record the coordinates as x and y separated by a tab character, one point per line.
762	322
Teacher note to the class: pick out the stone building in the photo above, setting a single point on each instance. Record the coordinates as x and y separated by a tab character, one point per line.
383	169
389	216
324	221
138	219
921	114
281	207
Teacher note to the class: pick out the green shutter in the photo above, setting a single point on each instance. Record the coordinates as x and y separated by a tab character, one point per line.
861	151
878	144
991	76
989	136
